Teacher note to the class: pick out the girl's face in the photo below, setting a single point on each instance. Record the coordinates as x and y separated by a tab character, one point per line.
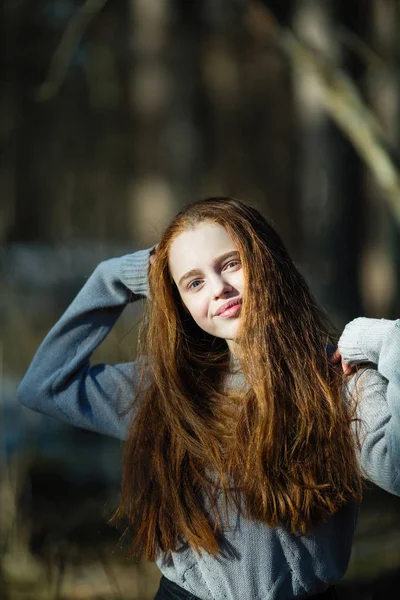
206	268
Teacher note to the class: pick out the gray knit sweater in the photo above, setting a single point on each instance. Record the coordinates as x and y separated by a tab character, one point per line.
255	562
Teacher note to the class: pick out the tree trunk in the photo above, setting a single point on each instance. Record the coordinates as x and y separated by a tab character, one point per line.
329	174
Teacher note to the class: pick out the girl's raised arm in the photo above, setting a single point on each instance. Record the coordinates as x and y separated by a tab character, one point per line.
60	380
376	341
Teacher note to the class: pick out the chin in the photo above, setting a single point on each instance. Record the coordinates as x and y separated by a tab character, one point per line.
230	334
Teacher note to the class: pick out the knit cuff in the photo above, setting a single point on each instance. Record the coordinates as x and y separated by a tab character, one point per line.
135	271
361	340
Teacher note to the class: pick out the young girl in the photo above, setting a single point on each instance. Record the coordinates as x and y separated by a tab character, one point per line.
245	445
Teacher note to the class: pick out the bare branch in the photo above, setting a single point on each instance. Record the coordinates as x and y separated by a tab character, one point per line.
341	100
354	43
345	106
65	51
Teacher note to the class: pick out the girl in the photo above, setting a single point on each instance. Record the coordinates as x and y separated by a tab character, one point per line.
245	445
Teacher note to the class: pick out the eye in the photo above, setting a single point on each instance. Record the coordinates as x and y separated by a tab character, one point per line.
194	284
232	264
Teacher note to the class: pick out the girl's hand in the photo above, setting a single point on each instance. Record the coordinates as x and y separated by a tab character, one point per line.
336	358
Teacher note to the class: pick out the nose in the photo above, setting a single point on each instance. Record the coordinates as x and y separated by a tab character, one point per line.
220	288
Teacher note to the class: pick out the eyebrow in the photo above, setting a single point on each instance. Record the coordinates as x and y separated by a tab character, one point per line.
221	258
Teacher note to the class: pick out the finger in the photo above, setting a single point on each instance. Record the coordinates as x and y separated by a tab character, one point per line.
347	369
336	356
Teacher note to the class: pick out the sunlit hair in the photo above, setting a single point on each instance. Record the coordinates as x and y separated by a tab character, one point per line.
281	449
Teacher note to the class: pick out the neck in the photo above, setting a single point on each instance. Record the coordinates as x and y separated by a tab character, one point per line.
233	348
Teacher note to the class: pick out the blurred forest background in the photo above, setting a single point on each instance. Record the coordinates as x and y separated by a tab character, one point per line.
113	114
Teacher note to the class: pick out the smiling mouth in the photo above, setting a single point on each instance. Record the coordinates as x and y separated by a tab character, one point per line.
229	309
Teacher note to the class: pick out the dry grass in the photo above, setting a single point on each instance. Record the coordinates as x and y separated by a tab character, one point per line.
63	564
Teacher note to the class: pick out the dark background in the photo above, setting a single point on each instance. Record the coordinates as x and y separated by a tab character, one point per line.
113	114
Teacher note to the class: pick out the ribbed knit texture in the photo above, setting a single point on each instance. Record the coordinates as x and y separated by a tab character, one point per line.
256	562
134	269
361	340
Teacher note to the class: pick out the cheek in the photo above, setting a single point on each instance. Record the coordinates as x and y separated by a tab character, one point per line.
237	280
198	307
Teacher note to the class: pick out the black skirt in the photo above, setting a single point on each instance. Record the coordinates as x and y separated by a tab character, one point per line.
169	590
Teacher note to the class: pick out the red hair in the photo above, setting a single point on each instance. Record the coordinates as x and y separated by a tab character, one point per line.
281	450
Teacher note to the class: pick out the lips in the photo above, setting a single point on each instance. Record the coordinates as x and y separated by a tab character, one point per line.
227	305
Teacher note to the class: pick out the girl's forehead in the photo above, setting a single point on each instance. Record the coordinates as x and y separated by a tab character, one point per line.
198	246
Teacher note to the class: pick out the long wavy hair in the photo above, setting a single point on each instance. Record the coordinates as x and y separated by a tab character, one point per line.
280	449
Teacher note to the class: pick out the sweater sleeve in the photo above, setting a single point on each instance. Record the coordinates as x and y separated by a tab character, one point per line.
60	381
377	391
